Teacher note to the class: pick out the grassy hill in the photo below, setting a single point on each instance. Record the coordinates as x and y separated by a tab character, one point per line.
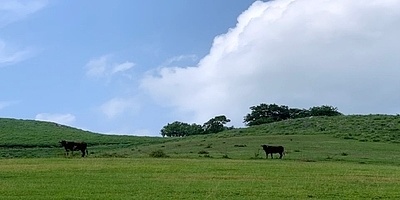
30	138
31	133
375	128
356	138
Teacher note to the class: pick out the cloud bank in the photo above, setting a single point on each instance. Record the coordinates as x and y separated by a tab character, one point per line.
340	53
65	119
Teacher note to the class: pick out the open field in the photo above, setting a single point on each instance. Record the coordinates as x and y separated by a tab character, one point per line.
309	148
344	157
304	148
116	178
362	139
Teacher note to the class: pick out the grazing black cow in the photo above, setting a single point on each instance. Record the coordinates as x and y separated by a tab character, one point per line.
72	146
273	149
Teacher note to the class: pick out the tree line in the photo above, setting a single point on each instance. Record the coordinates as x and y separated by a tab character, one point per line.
180	129
260	114
268	113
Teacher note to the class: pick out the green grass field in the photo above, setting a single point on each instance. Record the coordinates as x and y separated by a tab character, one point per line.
344	157
116	178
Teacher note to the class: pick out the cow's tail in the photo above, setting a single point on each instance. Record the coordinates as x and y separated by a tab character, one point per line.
87	153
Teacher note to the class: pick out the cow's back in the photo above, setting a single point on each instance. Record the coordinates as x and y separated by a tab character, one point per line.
273	149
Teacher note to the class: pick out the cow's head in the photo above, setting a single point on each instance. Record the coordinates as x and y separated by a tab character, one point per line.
62	142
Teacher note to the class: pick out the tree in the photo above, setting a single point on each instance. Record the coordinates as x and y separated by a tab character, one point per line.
195	129
265	113
180	129
216	124
268	113
299	113
324	111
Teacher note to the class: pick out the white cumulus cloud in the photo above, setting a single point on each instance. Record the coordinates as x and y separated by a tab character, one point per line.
66	119
341	53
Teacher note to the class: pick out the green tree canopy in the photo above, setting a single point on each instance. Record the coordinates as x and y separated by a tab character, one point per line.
180	129
216	124
324	111
268	113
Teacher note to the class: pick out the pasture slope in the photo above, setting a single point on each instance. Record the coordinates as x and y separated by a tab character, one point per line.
343	157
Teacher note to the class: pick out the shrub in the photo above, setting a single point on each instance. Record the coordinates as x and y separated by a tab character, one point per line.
225	156
158	154
113	155
308	160
207	156
203	152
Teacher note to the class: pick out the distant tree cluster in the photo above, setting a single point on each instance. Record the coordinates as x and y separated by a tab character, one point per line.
268	113
261	114
180	129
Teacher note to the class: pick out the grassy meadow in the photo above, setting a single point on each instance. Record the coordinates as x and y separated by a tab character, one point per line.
343	157
150	178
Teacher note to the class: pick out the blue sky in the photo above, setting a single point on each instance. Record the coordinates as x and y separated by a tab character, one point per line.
131	67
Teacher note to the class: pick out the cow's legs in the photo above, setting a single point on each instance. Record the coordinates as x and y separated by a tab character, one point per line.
272	157
281	154
83	152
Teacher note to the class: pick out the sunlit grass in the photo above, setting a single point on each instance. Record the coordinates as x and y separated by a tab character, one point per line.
193	179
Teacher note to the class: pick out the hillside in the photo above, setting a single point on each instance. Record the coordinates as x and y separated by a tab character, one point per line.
30	138
31	133
373	128
356	138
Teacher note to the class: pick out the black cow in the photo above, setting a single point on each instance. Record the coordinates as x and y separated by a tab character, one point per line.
273	149
72	146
